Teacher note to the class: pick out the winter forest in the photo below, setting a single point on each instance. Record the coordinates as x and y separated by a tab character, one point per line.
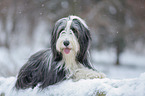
118	38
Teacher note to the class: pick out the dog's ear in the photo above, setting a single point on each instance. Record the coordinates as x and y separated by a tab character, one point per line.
58	27
84	39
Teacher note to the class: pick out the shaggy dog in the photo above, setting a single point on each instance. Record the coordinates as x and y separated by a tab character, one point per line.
67	58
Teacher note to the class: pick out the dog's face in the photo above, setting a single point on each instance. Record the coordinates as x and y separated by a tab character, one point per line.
67	41
70	35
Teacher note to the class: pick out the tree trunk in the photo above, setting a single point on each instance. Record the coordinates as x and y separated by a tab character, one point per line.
118	52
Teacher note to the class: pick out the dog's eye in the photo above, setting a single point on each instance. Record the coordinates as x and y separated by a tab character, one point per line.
75	31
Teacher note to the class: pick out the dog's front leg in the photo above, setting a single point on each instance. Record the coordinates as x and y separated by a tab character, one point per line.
85	73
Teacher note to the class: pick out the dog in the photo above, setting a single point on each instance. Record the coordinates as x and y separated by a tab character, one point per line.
68	57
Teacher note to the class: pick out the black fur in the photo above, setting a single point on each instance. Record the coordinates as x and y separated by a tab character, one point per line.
36	70
42	67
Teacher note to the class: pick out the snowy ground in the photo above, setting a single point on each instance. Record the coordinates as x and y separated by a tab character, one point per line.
93	87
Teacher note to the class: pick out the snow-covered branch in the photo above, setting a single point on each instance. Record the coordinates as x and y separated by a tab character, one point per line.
94	87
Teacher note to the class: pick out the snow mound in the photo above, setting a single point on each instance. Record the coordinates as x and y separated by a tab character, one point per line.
90	87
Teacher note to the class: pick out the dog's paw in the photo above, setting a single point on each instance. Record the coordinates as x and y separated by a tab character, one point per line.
87	74
95	74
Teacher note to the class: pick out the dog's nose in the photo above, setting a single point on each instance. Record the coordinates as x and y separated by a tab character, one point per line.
66	43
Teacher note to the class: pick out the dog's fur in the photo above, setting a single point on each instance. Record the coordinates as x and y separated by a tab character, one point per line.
64	60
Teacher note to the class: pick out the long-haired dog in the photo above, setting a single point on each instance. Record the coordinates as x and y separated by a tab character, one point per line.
67	58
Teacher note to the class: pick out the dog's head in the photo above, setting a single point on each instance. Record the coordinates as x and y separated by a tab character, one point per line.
70	34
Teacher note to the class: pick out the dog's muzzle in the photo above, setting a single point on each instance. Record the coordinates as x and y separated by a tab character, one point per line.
66	44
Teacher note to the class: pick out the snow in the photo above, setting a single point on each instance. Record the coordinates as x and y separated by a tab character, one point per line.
89	87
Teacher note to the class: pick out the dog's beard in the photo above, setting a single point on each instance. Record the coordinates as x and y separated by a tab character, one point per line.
70	61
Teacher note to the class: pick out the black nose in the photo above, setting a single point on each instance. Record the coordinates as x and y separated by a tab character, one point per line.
66	43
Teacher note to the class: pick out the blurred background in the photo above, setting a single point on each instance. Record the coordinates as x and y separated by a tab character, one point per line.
117	28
